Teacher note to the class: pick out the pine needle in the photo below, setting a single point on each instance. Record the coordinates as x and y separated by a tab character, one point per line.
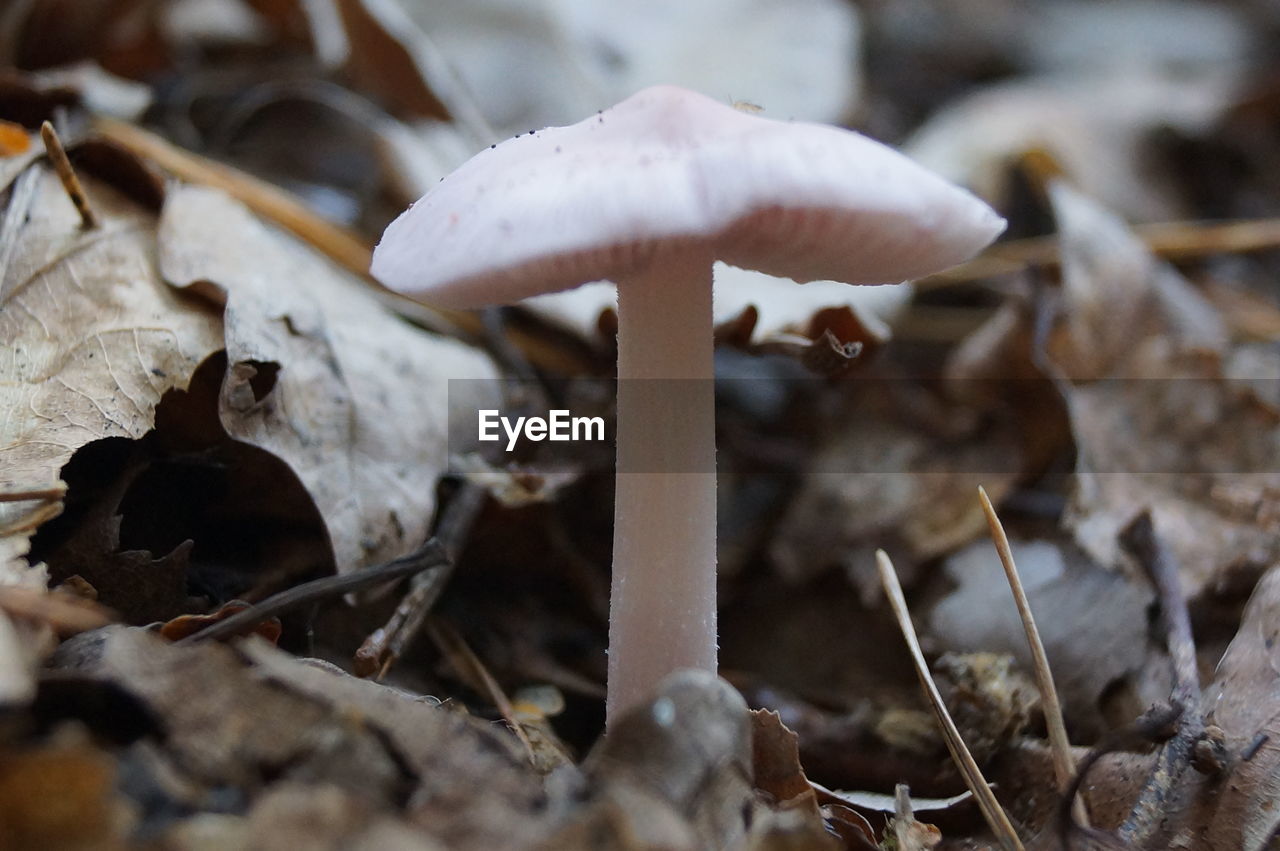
995	815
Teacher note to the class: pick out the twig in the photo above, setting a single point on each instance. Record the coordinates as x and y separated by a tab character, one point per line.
431	554
386	645
285	210
1140	540
67	174
1064	766
1155	725
994	814
1170	240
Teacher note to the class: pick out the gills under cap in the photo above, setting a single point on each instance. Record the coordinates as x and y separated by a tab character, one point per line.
667	168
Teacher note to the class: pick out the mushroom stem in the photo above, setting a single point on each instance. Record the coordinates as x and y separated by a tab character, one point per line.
663	611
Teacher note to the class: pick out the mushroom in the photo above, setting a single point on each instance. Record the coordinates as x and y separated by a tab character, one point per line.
648	194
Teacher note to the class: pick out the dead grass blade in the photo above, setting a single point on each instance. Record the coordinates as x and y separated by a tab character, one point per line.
994	814
1064	765
473	672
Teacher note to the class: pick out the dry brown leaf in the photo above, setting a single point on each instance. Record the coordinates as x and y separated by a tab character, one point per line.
351	397
1119	301
1234	808
775	756
1155	421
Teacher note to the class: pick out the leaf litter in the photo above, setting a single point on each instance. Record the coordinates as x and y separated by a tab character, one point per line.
204	401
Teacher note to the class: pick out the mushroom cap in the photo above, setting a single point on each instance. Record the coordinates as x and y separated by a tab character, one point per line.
668	170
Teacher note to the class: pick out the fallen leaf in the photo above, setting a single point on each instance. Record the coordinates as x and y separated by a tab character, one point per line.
141	587
1155	421
776	767
475	788
882	802
325	818
95	337
354	399
530	66
14	139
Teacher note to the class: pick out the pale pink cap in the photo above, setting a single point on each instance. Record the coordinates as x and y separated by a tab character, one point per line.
600	199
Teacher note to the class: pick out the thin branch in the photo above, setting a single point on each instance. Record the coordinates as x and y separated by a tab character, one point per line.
1064	765
1155	725
430	555
67	174
995	815
387	644
1140	540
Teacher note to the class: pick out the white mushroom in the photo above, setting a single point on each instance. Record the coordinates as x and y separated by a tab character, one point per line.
649	194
